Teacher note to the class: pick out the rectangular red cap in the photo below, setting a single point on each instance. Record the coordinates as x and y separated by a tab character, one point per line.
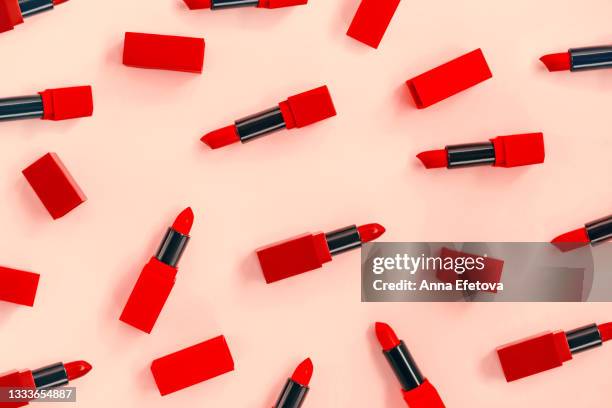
18	286
54	185
371	21
10	15
449	79
519	150
149	295
192	365
168	52
534	355
307	108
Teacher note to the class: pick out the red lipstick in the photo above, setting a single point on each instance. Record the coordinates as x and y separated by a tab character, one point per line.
501	151
579	59
296	112
310	251
52	104
549	350
225	4
418	391
295	390
158	276
18	286
52	376
592	233
12	12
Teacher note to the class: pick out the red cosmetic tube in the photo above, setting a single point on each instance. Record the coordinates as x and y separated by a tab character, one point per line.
54	185
12	12
52	376
371	21
52	104
548	350
158	276
501	151
449	79
310	251
297	111
225	4
579	59
295	390
417	390
192	365
593	233
18	286
167	52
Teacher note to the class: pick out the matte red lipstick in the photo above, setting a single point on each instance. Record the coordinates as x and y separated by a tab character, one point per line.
295	390
52	104
296	112
224	4
501	151
549	350
52	376
579	59
418	391
12	12
592	233
158	276
310	251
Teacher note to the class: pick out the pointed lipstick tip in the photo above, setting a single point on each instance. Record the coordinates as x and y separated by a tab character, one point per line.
571	240
557	62
303	373
198	4
184	221
433	159
386	336
58	2
221	137
370	232
77	369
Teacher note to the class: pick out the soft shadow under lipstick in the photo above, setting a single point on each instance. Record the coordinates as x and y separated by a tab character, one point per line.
418	391
158	276
592	233
579	59
297	387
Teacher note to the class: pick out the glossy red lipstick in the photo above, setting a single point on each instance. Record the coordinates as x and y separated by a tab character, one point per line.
592	233
310	251
158	276
224	4
52	376
501	151
52	104
579	59
549	350
296	112
294	393
12	12
418	391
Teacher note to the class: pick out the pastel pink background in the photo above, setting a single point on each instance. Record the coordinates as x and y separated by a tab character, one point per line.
140	162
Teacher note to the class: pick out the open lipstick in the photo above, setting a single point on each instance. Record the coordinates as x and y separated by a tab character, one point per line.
310	251
224	4
579	59
501	151
549	350
158	276
296	112
295	390
52	376
52	104
592	233
12	12
418	391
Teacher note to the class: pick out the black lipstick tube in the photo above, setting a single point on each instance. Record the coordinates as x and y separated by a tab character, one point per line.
222	4
599	230
172	247
51	376
584	338
21	107
586	58
31	7
260	124
470	154
293	395
343	240
404	367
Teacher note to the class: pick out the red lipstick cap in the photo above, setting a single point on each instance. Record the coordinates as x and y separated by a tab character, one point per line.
192	365
449	79
67	103
18	286
371	21
10	15
307	108
54	185
149	295
272	4
424	396
293	256
167	52
519	150
534	355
